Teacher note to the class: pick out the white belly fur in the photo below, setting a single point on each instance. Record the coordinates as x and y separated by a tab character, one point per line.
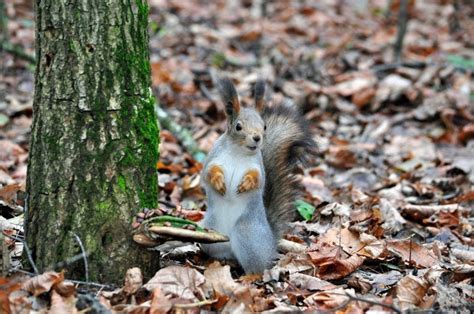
228	208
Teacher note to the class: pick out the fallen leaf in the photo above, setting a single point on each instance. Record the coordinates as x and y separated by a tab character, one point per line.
306	282
327	300
332	262
8	192
133	280
220	278
42	283
410	291
412	253
60	304
160	304
341	157
178	281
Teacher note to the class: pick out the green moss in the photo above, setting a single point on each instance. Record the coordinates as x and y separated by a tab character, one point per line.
103	206
122	183
218	60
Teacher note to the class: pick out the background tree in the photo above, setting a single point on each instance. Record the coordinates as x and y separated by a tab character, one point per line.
94	143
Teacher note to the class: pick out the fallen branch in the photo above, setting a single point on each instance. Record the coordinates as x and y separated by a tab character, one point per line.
17	51
356	298
86	265
402	29
181	133
27	251
77	282
196	304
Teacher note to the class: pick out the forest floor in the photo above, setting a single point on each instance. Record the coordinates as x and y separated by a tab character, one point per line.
387	220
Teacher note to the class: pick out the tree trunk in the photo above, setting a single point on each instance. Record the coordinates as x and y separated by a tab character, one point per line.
94	142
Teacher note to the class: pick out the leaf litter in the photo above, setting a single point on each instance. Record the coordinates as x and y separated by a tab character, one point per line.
387	220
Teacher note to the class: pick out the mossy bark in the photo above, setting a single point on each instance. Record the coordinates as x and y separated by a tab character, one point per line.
94	143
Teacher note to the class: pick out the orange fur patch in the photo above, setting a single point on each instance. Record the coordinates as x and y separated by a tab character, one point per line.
250	181
215	176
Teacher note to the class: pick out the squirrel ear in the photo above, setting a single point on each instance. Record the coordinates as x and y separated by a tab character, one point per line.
229	97
260	95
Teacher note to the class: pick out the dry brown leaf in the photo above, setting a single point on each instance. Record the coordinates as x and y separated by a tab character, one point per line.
220	278
410	291
65	288
7	287
341	157
173	168
412	253
178	281
8	192
160	304
329	300
293	263
364	97
42	283
306	282
18	301
354	85
332	262
373	247
61	305
133	280
347	239
242	300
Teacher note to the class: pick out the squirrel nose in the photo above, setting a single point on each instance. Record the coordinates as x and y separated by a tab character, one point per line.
256	138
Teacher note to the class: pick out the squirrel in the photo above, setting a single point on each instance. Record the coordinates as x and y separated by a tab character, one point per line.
249	177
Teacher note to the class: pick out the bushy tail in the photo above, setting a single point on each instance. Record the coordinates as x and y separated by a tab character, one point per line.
288	141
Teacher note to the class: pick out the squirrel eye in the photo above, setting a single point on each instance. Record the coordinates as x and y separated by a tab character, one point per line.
264	127
238	126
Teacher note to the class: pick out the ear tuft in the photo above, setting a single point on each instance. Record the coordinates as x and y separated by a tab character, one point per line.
229	97
260	95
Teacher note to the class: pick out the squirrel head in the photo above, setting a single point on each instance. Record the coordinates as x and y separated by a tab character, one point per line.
245	126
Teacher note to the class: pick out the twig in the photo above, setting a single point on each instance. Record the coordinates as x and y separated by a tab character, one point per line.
206	92
17	51
70	260
196	304
5	255
356	298
30	259
27	250
409	252
393	308
93	284
402	29
78	282
183	134
395	65
86	265
388	9
168	204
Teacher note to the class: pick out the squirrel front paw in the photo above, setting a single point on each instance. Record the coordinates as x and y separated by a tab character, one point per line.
215	176
249	182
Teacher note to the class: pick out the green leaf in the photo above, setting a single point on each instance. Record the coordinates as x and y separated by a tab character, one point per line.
306	210
218	60
3	120
174	221
461	62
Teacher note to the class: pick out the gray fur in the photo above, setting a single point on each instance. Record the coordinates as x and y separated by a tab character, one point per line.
265	212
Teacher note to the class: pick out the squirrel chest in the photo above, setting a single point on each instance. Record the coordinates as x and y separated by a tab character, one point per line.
224	210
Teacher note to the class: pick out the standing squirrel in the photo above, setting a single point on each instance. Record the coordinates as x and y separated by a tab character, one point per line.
249	177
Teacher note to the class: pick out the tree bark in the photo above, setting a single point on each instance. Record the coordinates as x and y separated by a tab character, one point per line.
94	142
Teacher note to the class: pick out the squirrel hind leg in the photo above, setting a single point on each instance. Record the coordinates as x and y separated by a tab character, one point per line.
253	245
